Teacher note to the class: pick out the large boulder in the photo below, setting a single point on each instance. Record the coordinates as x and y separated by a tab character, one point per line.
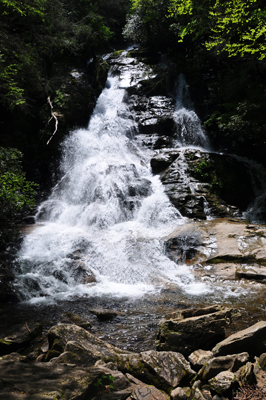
197	330
251	340
73	344
166	370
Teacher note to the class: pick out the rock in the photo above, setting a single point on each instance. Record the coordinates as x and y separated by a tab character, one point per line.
169	367
200	357
246	375
183	246
162	160
192	333
223	383
79	345
148	393
19	337
224	363
251	340
14	357
262	361
76	319
104	314
142	391
200	183
180	393
166	370
49	381
254	272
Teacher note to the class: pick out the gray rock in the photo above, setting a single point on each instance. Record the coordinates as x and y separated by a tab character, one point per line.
142	391
166	370
223	383
262	361
224	363
104	314
246	375
200	357
70	317
192	333
251	340
252	272
79	346
180	393
161	161
200	183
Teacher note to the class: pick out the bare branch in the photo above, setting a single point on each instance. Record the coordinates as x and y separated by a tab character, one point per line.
53	115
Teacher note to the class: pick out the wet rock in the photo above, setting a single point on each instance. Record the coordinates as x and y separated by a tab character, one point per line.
19	337
223	383
224	363
253	272
88	348
104	314
189	334
183	246
70	317
166	370
162	160
251	340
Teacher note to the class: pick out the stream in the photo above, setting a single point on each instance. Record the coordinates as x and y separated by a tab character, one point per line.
99	238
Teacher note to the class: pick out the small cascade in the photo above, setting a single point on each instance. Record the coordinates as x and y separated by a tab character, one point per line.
189	131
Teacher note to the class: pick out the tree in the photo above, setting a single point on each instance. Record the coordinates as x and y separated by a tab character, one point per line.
15	191
239	28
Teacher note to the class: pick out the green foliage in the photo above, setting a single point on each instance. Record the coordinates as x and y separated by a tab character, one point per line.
239	28
103	380
15	191
34	34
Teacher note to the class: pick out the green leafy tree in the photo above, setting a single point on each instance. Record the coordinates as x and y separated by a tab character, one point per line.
15	191
239	28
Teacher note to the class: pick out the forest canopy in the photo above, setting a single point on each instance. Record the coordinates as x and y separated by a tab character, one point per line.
235	27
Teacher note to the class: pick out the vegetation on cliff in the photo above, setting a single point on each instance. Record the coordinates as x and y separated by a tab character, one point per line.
220	46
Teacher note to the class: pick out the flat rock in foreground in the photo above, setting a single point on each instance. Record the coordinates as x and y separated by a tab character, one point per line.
251	340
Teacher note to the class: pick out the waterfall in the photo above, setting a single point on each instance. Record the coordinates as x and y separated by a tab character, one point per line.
102	228
189	131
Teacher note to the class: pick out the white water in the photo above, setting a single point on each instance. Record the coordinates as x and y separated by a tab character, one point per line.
189	129
109	209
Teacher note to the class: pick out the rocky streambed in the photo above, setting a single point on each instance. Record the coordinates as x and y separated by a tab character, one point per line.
192	360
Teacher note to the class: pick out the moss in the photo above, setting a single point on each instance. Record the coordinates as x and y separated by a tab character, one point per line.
118	53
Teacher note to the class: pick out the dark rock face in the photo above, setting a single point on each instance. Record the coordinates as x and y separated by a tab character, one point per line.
201	184
193	332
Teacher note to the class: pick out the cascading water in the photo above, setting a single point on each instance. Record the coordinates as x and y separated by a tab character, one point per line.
100	230
189	130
